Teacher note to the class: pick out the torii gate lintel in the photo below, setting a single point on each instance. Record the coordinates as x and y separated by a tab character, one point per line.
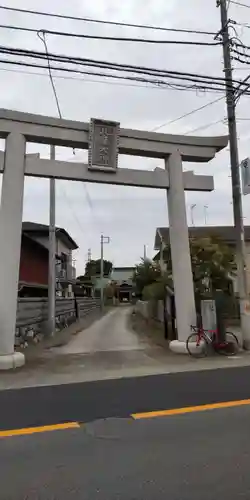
20	127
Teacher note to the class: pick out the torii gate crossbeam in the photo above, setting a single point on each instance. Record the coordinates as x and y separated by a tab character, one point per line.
19	128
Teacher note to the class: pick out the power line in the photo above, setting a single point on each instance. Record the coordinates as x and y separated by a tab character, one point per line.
244	25
240	60
71	208
241	45
102	21
193	77
86	80
197	85
188	114
43	39
240	4
241	54
110	38
210	124
203	127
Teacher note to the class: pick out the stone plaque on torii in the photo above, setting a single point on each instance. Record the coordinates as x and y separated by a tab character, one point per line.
105	140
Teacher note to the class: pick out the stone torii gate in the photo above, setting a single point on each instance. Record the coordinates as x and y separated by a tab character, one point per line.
18	128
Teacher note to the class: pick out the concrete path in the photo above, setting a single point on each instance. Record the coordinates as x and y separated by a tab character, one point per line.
107	350
110	333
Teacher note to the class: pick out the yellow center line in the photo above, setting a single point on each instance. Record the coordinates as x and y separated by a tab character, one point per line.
35	430
190	409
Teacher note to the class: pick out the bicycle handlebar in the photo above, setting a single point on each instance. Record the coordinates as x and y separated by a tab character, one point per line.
197	329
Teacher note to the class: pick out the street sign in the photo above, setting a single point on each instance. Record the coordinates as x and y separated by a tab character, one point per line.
245	176
103	145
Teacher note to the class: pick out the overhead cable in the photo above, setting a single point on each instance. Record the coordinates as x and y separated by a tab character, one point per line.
189	113
43	39
91	80
203	127
102	21
196	85
117	66
111	38
240	4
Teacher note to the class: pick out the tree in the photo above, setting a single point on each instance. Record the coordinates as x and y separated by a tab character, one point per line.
93	268
146	273
111	290
213	262
81	278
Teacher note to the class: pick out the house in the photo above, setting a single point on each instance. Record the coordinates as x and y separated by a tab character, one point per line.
123	276
225	233
34	261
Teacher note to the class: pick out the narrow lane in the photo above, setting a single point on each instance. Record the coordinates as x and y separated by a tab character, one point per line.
110	333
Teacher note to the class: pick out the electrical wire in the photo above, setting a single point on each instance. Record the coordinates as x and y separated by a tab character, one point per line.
43	39
240	4
110	38
240	60
192	77
243	25
175	120
242	46
101	21
158	83
241	54
203	127
72	210
86	80
138	40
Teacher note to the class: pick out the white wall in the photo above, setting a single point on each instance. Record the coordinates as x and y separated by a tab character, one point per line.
60	247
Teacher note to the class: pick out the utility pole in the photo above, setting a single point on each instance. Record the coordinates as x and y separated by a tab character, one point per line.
192	213
104	239
89	254
205	214
145	253
52	252
235	175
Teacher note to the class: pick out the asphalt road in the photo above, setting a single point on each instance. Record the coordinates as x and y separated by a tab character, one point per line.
90	401
198	456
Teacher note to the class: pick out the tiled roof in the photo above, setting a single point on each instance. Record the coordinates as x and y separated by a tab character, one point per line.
226	233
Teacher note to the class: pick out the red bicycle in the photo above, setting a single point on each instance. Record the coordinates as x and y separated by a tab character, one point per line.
200	340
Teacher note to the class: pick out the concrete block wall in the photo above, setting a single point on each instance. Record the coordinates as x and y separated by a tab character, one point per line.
150	310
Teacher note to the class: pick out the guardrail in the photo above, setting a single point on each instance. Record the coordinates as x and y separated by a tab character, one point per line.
32	315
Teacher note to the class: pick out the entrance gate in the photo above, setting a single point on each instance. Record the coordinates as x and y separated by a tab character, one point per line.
18	128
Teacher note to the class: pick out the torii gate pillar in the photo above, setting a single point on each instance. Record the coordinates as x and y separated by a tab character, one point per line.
17	128
10	236
180	253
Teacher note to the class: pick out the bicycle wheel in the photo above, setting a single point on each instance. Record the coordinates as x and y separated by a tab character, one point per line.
231	346
195	349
